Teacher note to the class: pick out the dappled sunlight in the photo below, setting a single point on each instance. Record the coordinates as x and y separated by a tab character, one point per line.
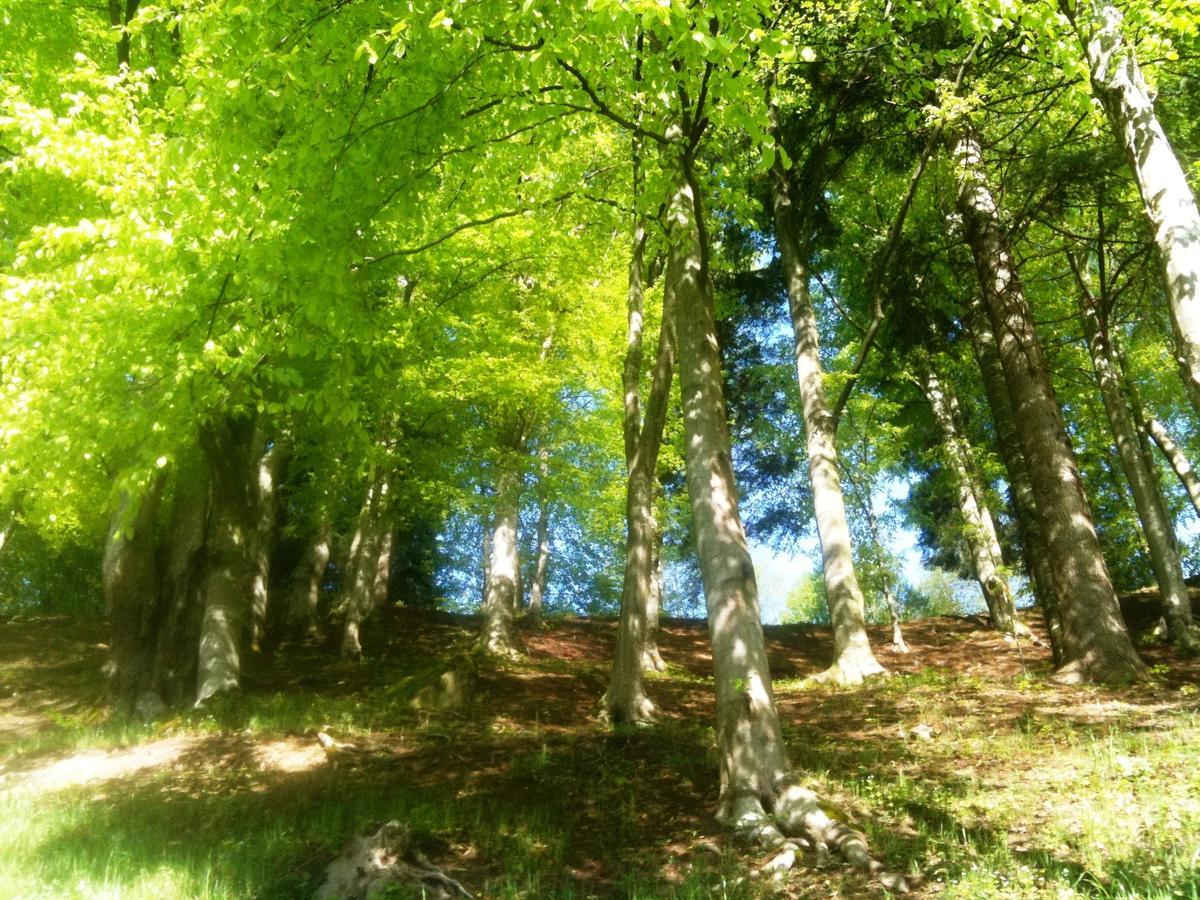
93	766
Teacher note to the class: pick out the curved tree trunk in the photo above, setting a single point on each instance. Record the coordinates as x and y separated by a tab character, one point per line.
626	699
501	599
1096	645
130	580
978	528
1021	496
229	569
1156	527
1167	198
853	657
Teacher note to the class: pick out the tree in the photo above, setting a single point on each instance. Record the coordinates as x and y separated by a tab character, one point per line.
1096	645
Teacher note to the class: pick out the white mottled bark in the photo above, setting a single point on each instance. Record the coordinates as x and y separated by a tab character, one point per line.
853	658
979	530
1156	527
1167	197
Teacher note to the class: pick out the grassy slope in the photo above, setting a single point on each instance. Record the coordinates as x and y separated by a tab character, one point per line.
1009	787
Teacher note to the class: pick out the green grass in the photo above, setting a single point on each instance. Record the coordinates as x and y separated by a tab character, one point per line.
1022	789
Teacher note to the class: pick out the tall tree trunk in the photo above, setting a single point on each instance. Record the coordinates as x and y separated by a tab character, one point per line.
229	570
265	495
854	659
978	529
130	581
1021	496
383	568
1096	645
501	599
1175	458
755	778
753	759
305	589
626	699
185	558
652	660
1167	198
541	572
358	589
1157	528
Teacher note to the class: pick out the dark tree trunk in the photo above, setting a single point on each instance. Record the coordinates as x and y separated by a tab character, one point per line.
130	580
265	495
305	589
1096	645
183	577
1021	496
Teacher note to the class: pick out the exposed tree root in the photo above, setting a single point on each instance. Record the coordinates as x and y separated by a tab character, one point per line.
638	711
652	660
501	645
847	673
1095	671
386	860
799	820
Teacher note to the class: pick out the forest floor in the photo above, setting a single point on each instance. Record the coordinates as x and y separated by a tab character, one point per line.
967	769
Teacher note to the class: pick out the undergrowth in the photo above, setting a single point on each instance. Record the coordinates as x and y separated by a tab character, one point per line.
977	787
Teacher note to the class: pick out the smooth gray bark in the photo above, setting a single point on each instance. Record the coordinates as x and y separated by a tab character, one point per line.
626	700
753	759
652	660
1167	197
229	571
361	574
541	570
265	494
978	529
853	658
1096	644
759	797
1156	527
1176	458
501	599
1021	497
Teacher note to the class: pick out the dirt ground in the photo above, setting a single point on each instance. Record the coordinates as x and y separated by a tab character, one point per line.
532	731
